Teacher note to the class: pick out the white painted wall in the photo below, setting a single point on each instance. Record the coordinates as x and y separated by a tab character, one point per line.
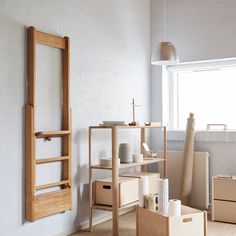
200	30
109	66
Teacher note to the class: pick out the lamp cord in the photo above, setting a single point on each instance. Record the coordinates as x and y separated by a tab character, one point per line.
164	20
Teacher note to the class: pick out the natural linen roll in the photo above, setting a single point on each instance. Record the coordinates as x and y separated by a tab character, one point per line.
174	207
143	189
163	196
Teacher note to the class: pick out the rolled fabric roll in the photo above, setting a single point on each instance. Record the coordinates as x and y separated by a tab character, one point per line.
174	207
143	189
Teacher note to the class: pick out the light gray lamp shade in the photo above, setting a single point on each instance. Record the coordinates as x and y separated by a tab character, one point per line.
164	54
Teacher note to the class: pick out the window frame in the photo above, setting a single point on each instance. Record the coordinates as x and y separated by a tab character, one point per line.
173	119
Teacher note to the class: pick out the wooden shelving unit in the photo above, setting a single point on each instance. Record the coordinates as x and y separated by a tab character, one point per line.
115	170
37	204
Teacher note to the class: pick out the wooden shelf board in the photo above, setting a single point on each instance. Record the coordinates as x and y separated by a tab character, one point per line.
51	134
129	165
109	208
45	186
125	126
51	159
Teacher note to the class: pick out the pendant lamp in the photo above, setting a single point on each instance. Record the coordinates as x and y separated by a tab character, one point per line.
164	53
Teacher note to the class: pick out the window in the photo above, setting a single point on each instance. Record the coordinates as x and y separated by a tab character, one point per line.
208	89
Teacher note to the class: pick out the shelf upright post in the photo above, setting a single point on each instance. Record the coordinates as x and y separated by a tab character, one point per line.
115	174
143	140
90	181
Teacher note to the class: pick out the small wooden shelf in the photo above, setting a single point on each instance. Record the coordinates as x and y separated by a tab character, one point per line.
52	134
52	202
45	186
129	165
116	167
109	208
51	159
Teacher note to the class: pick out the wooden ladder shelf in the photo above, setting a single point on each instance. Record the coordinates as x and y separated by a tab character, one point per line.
39	205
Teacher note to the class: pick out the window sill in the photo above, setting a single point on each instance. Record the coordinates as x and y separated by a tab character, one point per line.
204	136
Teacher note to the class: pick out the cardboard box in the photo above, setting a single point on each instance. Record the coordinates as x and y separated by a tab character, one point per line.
224	211
152	178
192	222
224	189
224	199
128	191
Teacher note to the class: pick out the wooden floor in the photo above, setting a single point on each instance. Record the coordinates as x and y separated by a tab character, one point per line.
127	228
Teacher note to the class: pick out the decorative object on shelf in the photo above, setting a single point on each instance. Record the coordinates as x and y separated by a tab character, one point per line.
137	158
143	189
113	122
124	153
134	123
151	202
163	196
164	53
188	161
152	123
37	204
147	152
107	161
174	207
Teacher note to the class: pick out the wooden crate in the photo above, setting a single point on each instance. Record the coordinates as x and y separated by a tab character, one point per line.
152	179
128	191
192	222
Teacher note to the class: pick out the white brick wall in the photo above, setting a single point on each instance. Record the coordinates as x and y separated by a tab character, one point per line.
109	65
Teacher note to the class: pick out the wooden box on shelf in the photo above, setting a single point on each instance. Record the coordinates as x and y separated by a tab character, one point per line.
128	191
152	179
224	199
192	222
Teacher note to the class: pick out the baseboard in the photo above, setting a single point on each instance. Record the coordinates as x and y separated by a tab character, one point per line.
96	221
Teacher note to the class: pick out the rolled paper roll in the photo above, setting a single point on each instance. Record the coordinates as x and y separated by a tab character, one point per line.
174	207
143	189
163	196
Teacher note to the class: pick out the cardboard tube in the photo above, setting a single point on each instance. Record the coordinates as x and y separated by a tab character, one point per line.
188	161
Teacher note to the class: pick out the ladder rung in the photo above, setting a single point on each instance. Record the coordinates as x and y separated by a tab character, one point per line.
51	159
51	134
40	187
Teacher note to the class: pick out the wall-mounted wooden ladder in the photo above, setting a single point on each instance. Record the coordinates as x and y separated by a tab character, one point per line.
44	204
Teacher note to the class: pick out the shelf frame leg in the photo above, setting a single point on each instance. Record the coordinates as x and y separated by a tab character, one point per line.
90	182
115	186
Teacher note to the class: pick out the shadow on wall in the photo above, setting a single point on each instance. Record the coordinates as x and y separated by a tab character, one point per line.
24	28
82	193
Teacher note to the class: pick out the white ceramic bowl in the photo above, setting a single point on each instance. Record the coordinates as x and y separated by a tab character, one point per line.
137	158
